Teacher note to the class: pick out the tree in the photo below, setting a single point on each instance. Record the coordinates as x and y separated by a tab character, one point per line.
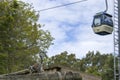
63	59
21	36
108	68
93	63
99	64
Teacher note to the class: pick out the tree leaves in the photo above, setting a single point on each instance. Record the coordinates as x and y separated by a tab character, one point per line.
21	37
93	63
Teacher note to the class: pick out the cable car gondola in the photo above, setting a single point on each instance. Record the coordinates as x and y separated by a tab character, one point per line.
102	23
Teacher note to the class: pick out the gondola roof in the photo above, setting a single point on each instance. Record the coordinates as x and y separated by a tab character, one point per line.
102	13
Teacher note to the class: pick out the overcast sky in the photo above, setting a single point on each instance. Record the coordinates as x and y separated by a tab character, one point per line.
71	26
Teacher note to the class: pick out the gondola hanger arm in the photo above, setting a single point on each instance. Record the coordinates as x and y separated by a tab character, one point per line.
106	3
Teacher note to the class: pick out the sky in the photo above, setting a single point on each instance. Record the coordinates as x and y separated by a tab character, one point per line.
71	26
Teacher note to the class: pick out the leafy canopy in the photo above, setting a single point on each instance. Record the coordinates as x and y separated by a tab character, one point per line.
21	36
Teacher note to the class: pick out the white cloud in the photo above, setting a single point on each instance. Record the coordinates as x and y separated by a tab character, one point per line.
71	26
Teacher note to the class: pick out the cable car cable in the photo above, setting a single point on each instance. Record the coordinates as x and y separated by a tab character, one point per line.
62	5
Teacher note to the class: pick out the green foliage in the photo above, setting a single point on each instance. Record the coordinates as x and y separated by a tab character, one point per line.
99	64
63	59
21	37
93	63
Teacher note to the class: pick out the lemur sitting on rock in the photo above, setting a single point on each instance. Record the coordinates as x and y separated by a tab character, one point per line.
36	68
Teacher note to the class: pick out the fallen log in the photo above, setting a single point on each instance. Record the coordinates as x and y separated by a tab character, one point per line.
22	72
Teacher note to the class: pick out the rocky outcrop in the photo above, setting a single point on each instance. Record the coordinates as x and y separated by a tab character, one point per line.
52	73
